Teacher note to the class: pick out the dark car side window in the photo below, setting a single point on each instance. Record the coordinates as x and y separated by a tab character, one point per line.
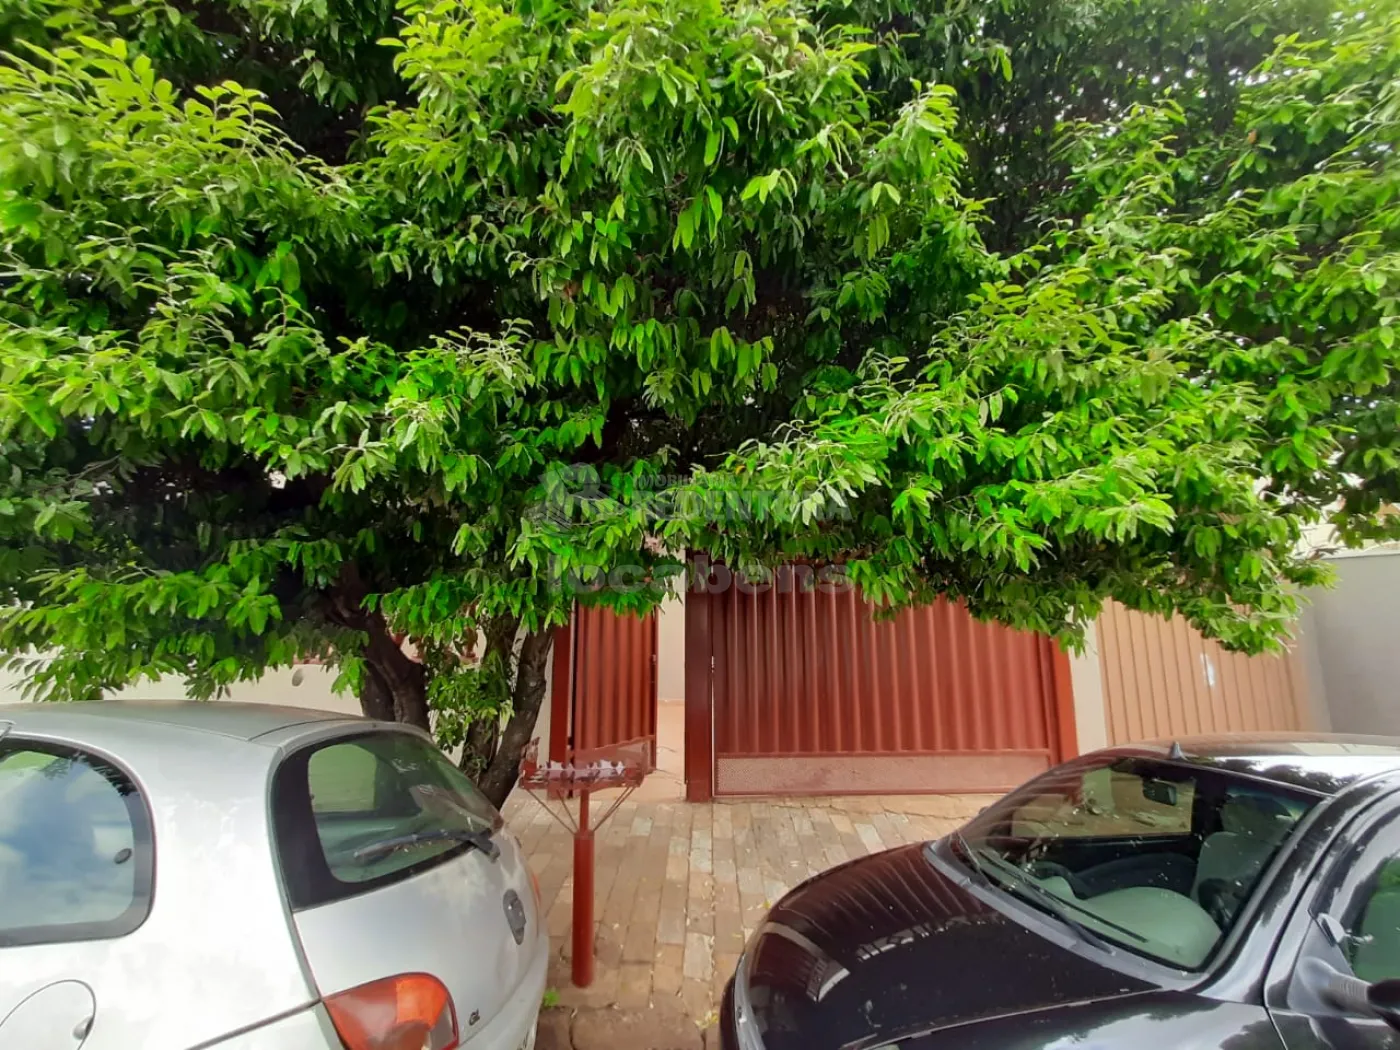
1355	920
1347	926
77	858
356	813
1373	928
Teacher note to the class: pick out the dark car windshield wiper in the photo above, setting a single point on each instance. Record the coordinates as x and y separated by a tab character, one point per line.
970	854
476	839
1058	907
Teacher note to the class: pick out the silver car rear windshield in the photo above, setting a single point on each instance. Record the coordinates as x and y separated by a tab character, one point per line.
1156	857
76	853
356	813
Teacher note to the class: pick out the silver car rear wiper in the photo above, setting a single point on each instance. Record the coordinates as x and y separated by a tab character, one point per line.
476	839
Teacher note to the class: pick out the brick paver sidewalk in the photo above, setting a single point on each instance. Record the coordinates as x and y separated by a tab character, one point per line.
680	887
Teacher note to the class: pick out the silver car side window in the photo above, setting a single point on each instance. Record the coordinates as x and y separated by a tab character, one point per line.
76	851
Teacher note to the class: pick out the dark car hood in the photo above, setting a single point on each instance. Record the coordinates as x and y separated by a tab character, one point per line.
889	945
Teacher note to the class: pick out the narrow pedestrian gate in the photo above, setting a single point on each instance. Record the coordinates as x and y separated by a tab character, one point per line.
793	691
604	683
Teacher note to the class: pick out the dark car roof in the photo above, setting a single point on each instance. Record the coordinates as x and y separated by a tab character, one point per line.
1321	762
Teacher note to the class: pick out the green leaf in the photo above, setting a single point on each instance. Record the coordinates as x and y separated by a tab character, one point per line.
716	205
17	213
685	229
291	273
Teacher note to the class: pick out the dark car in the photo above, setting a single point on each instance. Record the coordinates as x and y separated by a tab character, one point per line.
1240	894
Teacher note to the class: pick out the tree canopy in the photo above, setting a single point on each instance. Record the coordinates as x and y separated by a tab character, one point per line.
326	323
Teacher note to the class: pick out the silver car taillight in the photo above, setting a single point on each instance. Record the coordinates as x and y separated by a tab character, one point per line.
412	1011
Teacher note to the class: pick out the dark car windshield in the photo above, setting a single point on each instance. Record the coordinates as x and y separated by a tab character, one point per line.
1158	857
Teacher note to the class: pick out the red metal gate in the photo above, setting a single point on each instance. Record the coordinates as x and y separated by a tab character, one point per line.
604	688
808	694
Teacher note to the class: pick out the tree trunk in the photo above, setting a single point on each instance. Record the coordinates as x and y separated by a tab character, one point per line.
403	679
375	699
395	688
483	736
480	747
530	682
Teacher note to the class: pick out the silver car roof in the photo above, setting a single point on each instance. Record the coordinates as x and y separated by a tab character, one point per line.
91	718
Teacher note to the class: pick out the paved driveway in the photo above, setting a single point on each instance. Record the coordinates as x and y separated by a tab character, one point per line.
680	887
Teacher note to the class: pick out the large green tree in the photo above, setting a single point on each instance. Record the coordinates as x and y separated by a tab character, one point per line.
327	324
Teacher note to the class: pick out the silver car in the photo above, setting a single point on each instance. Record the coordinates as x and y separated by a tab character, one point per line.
245	877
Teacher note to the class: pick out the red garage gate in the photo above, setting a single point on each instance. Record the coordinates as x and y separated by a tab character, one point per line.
794	690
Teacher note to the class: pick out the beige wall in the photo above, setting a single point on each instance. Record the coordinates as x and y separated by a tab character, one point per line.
1353	631
670	649
1086	679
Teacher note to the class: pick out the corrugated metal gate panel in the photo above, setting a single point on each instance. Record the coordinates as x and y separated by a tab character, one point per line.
1162	678
614	679
813	696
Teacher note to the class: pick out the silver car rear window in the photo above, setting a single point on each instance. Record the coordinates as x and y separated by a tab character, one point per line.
356	813
76	853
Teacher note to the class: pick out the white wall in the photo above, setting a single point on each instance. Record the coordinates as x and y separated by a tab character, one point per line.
1352	643
544	720
308	685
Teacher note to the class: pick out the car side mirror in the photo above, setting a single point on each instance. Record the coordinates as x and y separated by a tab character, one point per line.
1383	998
1380	999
